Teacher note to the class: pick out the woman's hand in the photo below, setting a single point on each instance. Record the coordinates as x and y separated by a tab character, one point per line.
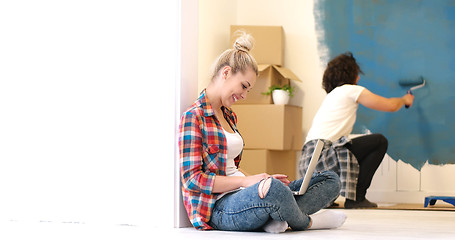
253	179
283	178
250	180
408	99
225	183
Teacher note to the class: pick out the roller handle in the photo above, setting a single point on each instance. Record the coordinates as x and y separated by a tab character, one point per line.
409	92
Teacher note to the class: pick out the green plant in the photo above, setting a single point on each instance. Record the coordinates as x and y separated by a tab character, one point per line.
286	87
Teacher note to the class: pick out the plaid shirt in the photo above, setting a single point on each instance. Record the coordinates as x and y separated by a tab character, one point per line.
203	155
334	157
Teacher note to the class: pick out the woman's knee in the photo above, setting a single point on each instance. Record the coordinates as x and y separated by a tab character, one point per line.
382	141
332	180
264	187
267	184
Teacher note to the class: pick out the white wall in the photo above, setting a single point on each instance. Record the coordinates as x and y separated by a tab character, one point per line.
87	111
188	91
397	181
215	18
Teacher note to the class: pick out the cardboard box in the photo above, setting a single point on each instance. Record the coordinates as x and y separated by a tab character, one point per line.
270	161
269	126
268	43
269	75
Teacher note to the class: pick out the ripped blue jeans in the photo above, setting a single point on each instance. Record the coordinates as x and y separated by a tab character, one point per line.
244	210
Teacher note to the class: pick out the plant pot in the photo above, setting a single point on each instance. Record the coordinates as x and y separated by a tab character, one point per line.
280	97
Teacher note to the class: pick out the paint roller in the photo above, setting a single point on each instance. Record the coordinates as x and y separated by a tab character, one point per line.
416	83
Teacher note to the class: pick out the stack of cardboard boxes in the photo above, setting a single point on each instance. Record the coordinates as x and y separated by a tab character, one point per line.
272	133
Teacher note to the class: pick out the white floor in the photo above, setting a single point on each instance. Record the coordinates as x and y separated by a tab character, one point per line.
361	224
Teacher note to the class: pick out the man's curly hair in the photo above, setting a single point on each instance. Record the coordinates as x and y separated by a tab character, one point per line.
343	69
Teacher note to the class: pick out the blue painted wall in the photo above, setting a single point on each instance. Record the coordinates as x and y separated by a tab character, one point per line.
395	40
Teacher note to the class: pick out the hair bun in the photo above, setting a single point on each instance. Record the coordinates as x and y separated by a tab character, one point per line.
238	57
244	42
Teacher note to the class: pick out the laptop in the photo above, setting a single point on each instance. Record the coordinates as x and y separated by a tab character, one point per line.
309	173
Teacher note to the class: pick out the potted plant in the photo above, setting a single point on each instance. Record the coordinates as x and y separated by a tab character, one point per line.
280	94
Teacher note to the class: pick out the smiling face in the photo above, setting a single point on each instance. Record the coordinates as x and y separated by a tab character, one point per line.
236	86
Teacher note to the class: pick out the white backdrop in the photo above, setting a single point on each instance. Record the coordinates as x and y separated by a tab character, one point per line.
87	110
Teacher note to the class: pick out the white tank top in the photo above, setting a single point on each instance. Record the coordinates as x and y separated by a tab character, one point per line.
234	148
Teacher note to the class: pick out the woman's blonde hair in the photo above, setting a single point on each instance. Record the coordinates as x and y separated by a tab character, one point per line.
238	58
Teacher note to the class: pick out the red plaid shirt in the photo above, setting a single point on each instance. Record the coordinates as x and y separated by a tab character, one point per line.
203	155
